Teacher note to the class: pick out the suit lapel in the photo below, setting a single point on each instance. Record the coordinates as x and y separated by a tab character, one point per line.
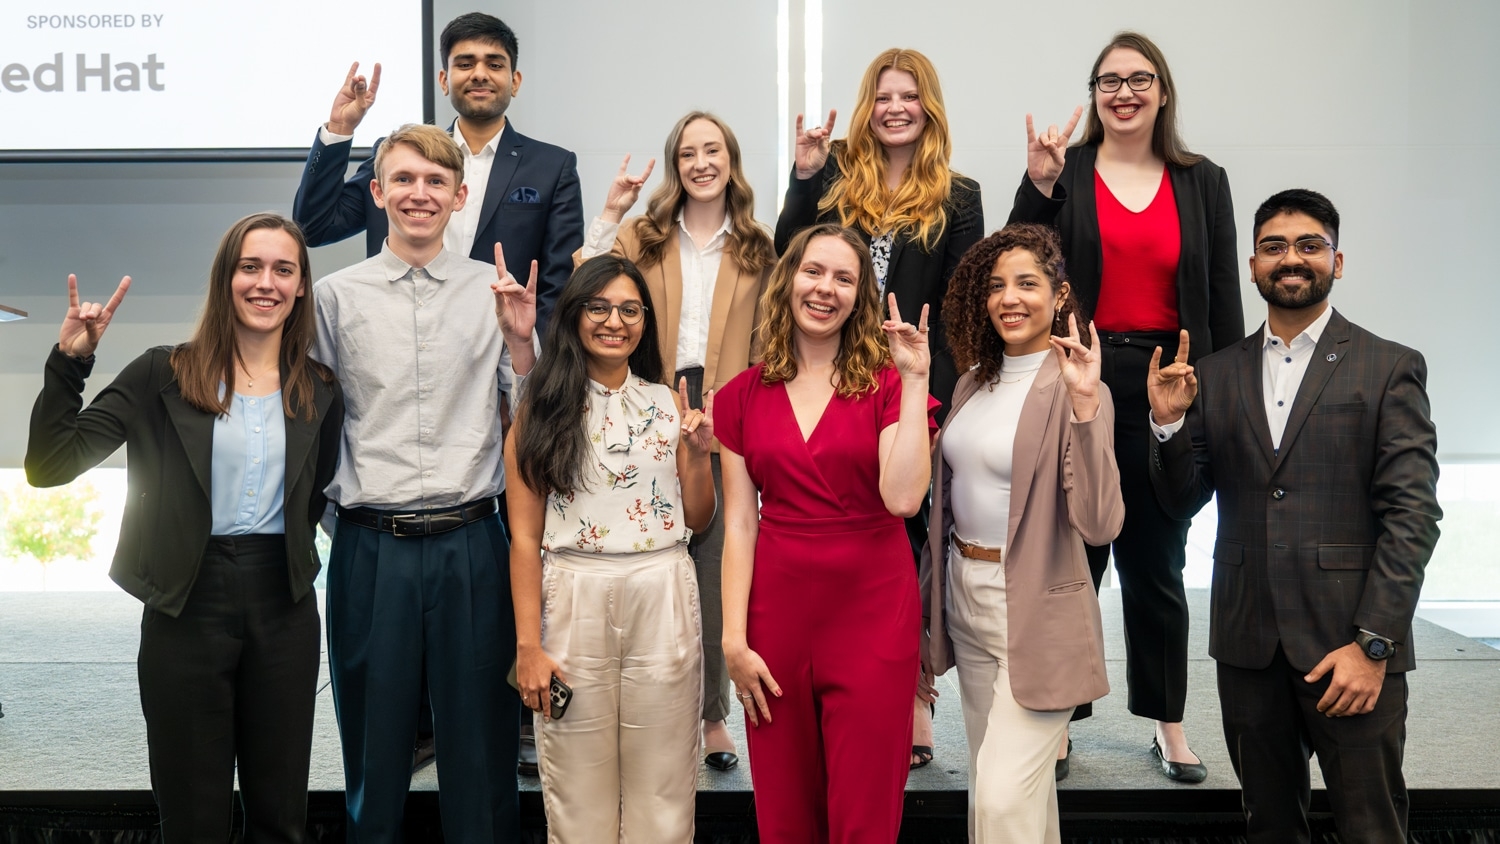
726	284
1327	356
508	154
301	434
196	431
671	270
1252	398
1031	428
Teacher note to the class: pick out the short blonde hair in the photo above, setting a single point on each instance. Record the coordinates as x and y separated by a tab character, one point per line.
430	142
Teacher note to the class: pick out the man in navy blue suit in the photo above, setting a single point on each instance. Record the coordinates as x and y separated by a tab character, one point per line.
523	193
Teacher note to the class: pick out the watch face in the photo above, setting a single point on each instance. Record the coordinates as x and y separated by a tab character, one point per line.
1378	649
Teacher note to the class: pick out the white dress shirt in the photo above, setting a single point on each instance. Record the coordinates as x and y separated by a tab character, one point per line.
1281	371
700	270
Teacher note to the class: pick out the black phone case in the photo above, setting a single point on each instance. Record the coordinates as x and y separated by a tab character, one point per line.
561	697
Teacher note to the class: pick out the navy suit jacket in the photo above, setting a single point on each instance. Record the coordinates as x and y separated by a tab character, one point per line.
1329	533
532	206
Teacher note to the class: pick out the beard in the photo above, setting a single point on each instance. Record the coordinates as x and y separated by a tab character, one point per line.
481	112
1314	292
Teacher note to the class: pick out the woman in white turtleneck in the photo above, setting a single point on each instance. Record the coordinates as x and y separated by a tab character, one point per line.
1024	474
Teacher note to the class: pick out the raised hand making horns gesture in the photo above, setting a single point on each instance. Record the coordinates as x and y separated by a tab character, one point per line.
812	146
1046	153
84	325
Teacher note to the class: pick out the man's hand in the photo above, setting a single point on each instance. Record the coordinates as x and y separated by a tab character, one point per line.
353	100
1356	682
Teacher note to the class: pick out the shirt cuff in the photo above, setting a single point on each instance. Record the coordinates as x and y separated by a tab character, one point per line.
330	138
599	239
1165	432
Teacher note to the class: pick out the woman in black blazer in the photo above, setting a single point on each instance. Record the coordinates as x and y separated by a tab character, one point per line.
229	439
1148	231
890	180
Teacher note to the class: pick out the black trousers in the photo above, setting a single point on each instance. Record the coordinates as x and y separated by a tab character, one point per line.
1149	552
233	678
1271	725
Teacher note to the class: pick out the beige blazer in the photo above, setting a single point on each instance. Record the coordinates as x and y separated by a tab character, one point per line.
734	312
1065	491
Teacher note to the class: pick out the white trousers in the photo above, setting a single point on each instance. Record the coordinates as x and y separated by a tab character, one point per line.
622	764
1012	790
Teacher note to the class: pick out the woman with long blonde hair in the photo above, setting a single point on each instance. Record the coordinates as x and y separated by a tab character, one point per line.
705	260
891	181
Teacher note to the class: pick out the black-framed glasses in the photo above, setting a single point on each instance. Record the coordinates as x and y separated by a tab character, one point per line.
598	310
1110	83
1308	248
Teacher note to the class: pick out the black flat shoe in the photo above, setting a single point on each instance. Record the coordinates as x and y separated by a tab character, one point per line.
721	760
423	753
526	761
1060	771
1184	772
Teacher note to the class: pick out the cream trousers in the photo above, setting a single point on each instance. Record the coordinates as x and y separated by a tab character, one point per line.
1012	790
622	764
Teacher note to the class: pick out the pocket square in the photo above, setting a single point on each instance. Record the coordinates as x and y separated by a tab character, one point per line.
528	195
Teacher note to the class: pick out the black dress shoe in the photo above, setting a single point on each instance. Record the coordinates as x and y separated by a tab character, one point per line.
526	761
1060	771
422	753
1184	772
721	760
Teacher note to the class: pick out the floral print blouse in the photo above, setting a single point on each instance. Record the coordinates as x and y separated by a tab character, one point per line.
630	500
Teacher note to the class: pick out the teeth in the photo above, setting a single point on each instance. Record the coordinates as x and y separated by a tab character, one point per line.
703	180
419	214
822	309
1013	319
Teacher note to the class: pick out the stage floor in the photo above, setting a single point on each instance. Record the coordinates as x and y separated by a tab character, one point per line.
73	722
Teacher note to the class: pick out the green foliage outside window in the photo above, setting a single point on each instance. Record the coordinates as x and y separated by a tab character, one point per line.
49	524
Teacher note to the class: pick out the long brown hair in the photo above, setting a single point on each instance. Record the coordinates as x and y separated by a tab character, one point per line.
746	242
972	338
1166	143
863	349
207	360
860	195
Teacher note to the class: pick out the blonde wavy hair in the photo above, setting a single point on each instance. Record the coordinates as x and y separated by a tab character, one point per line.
860	196
747	242
863	349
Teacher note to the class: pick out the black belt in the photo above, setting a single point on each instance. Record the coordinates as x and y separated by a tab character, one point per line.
420	522
1146	339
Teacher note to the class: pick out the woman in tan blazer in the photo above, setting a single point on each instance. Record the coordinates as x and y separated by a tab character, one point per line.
705	260
1025	474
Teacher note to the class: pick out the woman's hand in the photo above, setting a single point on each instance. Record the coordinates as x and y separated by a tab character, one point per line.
1080	369
534	673
753	683
697	425
624	191
909	349
1047	153
811	152
84	325
1171	390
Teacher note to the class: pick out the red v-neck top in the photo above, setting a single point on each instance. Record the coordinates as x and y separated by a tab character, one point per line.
1138	281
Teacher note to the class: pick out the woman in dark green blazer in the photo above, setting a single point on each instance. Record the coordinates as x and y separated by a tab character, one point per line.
229	439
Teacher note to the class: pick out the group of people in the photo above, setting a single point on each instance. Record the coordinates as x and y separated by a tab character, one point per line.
687	459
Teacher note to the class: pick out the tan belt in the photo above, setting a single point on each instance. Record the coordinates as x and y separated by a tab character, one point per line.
977	552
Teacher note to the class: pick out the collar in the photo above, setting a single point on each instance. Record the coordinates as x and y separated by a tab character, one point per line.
1313	332
723	229
491	146
395	269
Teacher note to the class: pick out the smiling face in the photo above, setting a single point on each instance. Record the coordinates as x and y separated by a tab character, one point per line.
1295	282
1021	302
418	196
479	80
703	161
898	117
608	345
1128	112
267	280
825	288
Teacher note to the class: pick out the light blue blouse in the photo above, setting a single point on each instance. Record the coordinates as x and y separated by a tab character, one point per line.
249	467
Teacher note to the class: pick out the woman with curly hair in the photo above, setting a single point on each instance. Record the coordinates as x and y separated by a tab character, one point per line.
705	260
821	618
890	180
1024	474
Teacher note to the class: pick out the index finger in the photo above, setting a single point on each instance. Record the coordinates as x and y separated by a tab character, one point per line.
1072	121
798	130
1182	346
115	300
708	404
72	291
500	259
895	310
1030	130
624	164
353	71
375	79
828	127
682	393
650	165
531	285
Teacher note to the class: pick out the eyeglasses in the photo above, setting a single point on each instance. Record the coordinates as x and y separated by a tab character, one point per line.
1110	83
1308	248
599	310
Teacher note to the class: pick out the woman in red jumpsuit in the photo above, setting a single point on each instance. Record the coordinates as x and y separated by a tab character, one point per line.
821	613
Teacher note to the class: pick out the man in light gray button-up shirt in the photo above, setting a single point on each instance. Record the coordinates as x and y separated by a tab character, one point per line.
419	573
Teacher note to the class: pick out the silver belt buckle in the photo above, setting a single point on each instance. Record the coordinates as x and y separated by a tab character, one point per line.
397	525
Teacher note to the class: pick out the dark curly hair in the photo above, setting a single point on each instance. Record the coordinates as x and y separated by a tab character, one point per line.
973	341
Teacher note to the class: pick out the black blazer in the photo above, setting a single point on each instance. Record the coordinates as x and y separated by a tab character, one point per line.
918	277
168	452
532	206
1208	273
1332	532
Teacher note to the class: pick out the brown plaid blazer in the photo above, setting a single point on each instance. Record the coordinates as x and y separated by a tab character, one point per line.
1332	532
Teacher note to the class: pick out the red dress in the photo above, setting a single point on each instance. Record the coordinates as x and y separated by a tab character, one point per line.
834	612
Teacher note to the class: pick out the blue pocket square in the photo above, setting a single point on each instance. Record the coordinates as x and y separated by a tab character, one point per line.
528	195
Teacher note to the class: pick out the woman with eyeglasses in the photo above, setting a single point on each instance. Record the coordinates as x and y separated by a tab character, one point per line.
1148	234
705	260
609	476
